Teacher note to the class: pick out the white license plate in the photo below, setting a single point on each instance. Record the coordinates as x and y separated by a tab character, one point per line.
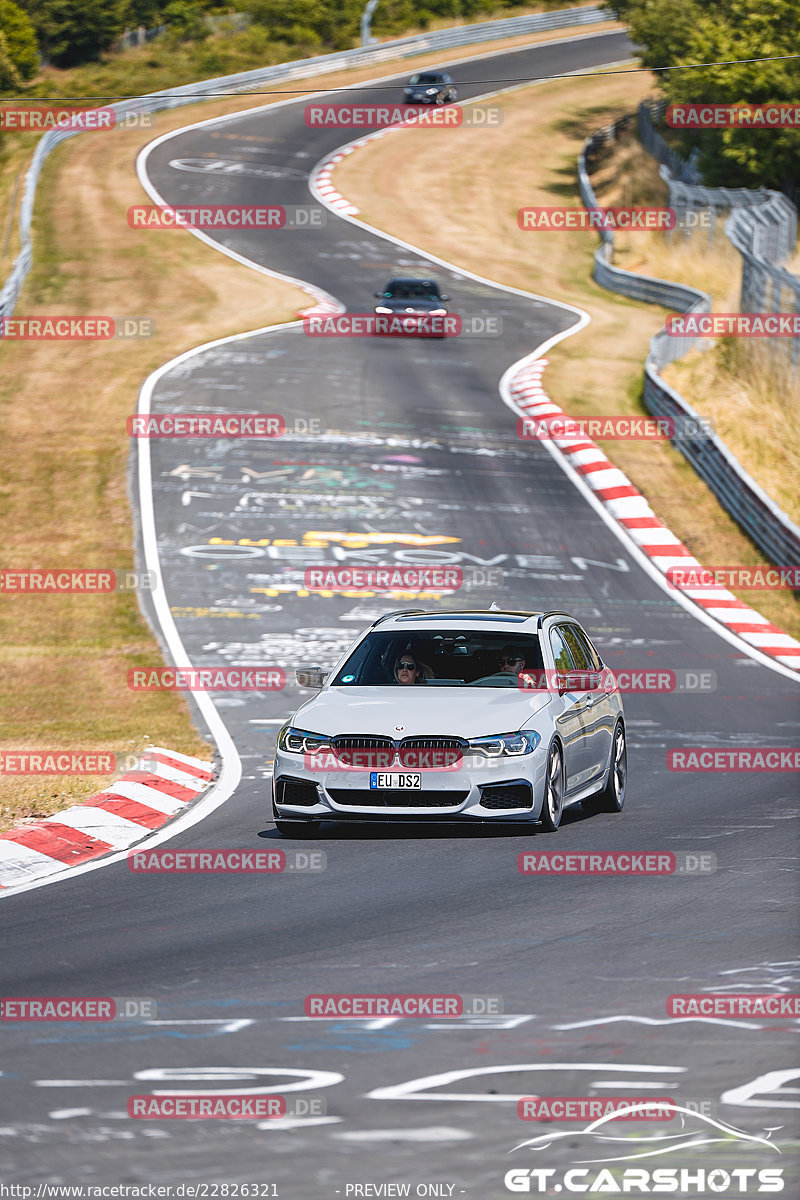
398	781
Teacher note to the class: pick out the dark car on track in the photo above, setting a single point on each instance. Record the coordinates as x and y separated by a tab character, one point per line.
430	87
415	300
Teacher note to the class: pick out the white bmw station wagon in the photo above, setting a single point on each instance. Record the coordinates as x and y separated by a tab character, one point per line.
455	716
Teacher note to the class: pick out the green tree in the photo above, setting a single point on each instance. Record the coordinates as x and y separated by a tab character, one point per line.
186	21
726	32
10	78
19	43
75	31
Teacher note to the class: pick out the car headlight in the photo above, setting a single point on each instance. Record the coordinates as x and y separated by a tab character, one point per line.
506	745
438	312
299	741
382	310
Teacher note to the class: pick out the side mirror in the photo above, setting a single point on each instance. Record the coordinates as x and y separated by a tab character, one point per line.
310	677
378	295
444	297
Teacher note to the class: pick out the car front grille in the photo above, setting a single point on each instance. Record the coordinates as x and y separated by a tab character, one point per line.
507	795
367	753
391	798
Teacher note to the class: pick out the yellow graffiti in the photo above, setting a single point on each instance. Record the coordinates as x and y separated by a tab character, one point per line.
321	539
364	594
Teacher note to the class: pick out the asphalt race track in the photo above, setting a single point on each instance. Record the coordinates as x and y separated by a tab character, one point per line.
417	462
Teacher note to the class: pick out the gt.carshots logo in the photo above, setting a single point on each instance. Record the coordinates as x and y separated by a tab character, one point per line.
681	1181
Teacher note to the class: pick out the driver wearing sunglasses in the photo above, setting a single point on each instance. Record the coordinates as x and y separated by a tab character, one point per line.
511	661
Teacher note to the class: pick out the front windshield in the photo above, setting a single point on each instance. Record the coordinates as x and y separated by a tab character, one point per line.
411	291
431	79
428	658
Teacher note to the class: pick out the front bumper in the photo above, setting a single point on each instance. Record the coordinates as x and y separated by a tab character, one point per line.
488	790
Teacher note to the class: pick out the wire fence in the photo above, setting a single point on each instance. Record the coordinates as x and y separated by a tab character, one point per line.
759	222
768	526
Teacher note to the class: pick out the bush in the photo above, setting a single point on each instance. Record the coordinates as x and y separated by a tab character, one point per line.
19	47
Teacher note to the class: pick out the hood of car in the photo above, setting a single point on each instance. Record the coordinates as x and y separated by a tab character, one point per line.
421	711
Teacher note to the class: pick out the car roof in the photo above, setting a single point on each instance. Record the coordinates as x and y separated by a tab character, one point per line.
499	620
413	279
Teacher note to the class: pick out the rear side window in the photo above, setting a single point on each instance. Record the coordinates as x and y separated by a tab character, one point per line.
594	657
561	654
580	655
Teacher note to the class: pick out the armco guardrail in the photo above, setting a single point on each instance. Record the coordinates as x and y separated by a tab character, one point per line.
769	527
443	39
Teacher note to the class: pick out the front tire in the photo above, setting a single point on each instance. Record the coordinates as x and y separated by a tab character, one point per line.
553	804
612	797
